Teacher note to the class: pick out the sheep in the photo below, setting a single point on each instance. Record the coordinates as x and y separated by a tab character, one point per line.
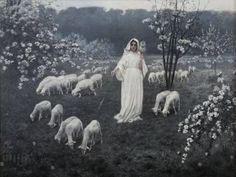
98	70
191	69
171	100
53	85
43	82
178	74
56	116
69	130
160	75
87	72
184	75
151	77
81	77
41	109
97	80
160	98
90	134
73	79
84	84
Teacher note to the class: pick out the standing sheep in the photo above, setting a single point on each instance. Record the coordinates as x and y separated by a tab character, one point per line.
90	134
56	116
41	110
171	102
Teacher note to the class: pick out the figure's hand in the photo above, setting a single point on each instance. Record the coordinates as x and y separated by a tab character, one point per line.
113	72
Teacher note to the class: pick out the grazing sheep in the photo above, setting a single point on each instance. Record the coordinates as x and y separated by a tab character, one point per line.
184	75
87	72
43	82
98	70
191	69
41	109
82	85
69	130
151	77
56	116
90	134
160	75
72	79
81	77
160	98
51	87
171	101
97	80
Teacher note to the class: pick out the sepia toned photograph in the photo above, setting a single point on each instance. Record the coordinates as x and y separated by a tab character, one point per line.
117	88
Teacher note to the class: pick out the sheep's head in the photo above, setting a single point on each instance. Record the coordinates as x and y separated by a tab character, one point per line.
75	92
32	117
57	138
71	144
165	113
51	125
84	149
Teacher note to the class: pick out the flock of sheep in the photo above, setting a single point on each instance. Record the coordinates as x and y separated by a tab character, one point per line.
168	100
180	75
71	128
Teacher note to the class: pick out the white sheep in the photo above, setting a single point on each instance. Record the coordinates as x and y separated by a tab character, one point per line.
91	133
160	75
82	85
41	110
73	79
98	70
97	79
160	98
43	82
56	116
151	77
171	102
52	86
184	75
87	71
69	131
81	77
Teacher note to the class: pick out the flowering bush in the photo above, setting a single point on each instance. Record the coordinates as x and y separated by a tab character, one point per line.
210	119
29	44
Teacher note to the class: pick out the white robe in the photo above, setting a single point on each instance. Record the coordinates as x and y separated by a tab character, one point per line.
131	87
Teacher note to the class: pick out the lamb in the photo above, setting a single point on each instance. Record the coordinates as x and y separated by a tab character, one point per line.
56	116
81	77
41	109
53	85
160	98
84	84
98	70
69	130
43	82
184	75
160	75
151	77
171	100
97	80
90	134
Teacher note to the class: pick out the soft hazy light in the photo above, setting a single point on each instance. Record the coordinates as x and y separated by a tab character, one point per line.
218	5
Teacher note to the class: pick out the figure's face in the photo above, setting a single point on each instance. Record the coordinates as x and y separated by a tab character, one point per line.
133	46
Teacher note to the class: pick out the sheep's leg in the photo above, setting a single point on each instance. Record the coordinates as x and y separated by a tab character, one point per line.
100	135
174	107
179	104
40	115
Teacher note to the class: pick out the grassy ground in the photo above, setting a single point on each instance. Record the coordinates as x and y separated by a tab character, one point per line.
145	148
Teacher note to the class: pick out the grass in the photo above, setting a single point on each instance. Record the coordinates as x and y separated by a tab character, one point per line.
145	148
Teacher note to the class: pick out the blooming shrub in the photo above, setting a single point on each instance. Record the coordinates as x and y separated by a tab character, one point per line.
209	120
29	43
